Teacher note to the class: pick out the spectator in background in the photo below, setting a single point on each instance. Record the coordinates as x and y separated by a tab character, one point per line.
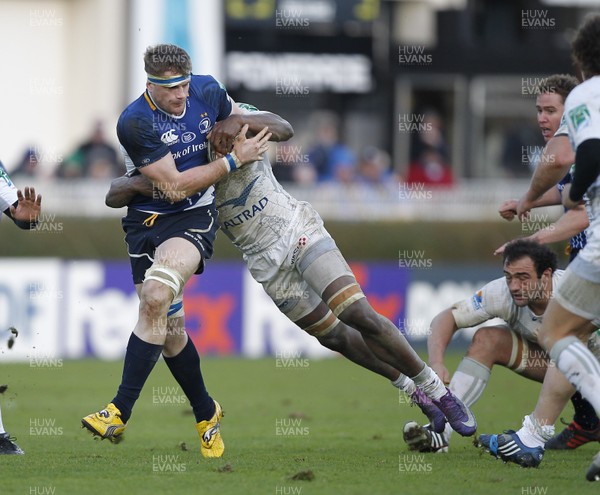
430	168
429	162
374	168
95	159
430	136
332	160
28	166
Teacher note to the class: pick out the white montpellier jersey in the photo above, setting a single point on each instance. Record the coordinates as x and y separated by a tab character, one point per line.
494	301
8	191
582	108
578	240
254	209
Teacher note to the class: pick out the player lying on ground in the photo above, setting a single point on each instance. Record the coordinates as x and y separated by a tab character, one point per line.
23	208
288	251
557	159
520	299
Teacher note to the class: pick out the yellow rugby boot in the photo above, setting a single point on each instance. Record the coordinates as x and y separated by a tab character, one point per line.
209	431
106	423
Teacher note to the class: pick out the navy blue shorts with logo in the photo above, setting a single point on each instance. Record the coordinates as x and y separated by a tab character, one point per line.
144	232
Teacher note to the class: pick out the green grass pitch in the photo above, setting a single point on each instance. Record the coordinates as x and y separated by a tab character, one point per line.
334	426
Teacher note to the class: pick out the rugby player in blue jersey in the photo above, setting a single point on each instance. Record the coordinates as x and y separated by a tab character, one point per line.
169	235
23	208
288	250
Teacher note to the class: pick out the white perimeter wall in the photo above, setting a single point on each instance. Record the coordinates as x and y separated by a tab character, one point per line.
62	68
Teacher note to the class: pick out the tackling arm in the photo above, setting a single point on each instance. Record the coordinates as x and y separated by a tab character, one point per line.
224	131
123	189
280	128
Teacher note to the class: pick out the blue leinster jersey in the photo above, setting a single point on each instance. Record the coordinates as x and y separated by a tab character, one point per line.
147	134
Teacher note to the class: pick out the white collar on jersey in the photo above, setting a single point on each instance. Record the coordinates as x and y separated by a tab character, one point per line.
167	113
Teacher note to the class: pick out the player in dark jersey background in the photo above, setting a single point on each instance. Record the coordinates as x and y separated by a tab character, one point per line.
170	235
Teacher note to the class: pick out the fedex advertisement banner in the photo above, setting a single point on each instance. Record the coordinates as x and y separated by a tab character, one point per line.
76	309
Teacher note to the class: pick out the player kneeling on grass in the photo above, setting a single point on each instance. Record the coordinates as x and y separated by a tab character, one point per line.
288	250
520	299
23	208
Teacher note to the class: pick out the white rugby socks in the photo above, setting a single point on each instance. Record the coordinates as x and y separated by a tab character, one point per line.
405	384
469	380
430	383
580	367
533	433
468	383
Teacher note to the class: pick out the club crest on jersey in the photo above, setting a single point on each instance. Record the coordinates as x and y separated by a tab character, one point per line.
205	124
477	300
580	116
302	240
169	137
188	137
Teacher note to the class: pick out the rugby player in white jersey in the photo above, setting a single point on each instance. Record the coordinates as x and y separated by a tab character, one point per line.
573	313
520	299
23	208
557	158
288	251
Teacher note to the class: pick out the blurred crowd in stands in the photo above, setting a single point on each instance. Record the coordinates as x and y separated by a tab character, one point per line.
95	158
323	157
326	157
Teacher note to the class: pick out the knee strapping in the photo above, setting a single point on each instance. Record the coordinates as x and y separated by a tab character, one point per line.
344	298
519	354
167	276
323	326
176	308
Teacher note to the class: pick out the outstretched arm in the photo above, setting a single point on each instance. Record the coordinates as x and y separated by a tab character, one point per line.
556	160
26	211
508	209
572	222
442	328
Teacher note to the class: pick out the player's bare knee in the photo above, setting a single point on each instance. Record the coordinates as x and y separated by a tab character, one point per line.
335	340
362	316
155	299
546	340
485	344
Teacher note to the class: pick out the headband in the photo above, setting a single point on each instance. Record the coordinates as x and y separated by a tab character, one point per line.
168	81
